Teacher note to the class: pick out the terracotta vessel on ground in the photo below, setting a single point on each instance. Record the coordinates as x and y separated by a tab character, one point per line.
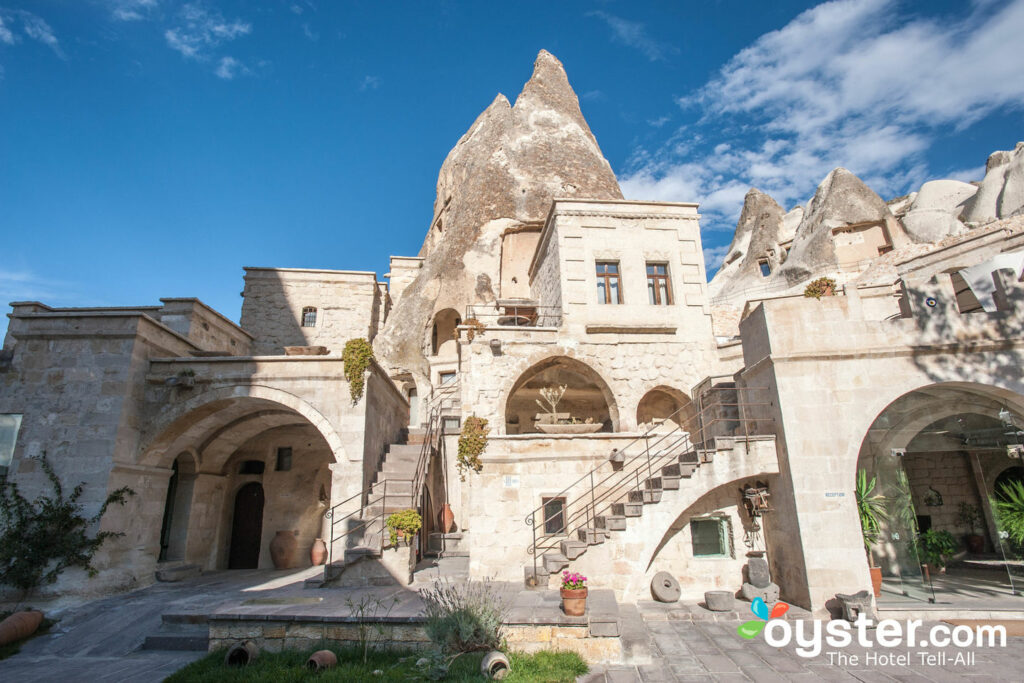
321	659
318	552
19	626
876	581
282	549
574	601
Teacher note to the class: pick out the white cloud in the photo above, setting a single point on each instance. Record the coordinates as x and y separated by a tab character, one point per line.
131	10
370	83
847	83
200	30
229	67
713	256
634	34
5	33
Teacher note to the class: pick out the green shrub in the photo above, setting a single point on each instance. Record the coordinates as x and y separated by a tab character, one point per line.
472	442
937	546
1008	506
408	522
39	539
464	617
823	286
357	357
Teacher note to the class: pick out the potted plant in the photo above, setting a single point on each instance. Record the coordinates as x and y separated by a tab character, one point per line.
970	518
574	593
1008	506
871	507
554	422
823	286
936	548
403	524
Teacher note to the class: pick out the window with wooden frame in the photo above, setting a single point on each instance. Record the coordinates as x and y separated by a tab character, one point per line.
554	515
659	289
711	537
309	316
609	283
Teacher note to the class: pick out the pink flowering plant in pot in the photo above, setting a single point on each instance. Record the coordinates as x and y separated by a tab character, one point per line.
574	593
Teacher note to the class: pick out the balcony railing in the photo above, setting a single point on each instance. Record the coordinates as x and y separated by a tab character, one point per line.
515	315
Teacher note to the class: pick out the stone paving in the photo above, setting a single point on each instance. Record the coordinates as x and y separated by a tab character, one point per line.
688	645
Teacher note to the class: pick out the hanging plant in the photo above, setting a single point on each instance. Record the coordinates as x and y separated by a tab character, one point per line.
474	326
472	443
357	356
823	286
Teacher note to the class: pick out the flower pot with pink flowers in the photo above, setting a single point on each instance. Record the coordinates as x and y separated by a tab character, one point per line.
574	593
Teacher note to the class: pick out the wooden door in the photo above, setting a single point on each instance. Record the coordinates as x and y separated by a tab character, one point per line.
247	528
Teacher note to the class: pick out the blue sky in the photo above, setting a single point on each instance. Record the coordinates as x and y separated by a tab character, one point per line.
152	148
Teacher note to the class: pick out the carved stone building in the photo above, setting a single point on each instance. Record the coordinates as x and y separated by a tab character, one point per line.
690	433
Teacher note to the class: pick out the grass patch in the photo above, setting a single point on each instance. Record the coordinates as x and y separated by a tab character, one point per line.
542	667
11	649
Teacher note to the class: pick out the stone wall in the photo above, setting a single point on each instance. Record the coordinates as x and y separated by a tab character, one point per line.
386	413
829	365
205	327
348	305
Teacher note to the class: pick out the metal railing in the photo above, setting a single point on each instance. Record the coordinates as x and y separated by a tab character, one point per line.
355	521
515	315
594	494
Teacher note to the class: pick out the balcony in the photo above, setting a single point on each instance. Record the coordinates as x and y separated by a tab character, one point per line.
515	313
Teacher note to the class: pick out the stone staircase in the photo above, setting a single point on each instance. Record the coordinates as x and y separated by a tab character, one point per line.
391	491
605	526
180	632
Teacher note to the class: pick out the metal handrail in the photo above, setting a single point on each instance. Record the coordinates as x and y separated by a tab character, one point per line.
434	409
590	504
525	315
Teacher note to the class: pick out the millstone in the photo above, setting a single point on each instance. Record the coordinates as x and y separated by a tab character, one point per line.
665	588
757	572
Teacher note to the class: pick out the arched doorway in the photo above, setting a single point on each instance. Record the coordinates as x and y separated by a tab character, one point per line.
224	444
930	455
247	527
586	397
665	403
444	334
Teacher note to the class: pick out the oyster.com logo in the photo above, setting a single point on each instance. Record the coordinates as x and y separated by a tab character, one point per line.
750	629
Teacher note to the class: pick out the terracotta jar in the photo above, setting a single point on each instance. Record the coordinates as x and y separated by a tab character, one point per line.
318	553
321	660
19	626
447	519
876	581
282	549
574	601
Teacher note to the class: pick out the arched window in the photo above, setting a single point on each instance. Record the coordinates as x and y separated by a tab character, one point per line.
309	316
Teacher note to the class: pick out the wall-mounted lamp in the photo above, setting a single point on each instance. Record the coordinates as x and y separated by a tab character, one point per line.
496	347
1015	452
898	452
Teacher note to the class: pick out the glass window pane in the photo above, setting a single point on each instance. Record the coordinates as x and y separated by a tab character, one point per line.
708	537
601	298
650	290
614	291
663	290
554	515
9	426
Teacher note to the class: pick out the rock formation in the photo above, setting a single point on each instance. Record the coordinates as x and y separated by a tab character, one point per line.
757	236
502	173
1001	193
935	210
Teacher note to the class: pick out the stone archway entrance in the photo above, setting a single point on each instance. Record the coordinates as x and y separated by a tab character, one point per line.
246	527
934	455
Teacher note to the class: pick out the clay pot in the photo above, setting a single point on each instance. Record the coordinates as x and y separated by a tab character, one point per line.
447	519
574	601
19	626
282	549
241	654
318	552
321	659
495	665
876	581
975	543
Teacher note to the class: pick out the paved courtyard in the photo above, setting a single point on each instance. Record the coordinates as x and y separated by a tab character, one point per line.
101	641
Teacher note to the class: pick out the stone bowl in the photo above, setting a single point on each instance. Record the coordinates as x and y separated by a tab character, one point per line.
569	429
719	601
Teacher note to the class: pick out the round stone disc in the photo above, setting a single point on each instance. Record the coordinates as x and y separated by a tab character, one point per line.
664	587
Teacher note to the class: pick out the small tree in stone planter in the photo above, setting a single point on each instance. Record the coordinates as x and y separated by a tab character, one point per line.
554	422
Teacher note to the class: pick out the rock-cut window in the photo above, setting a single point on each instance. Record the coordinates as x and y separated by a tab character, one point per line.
309	316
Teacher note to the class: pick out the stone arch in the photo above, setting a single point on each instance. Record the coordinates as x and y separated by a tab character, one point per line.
214	409
662	402
588	395
444	333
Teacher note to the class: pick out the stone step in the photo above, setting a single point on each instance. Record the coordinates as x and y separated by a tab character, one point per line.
670	483
403	450
653	483
572	549
628	509
706	456
610	522
199	641
555	562
177	571
591	536
648	496
394	486
447	545
358	553
397	470
690	458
